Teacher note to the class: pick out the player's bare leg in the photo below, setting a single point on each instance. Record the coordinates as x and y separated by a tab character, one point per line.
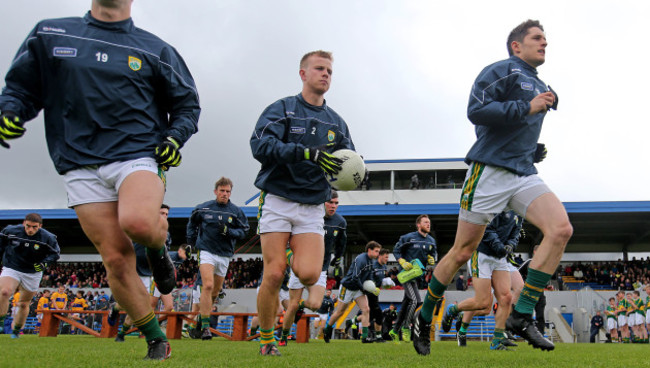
23	310
8	286
275	263
207	299
547	213
106	224
362	303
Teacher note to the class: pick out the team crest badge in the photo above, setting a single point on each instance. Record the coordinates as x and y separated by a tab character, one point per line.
330	135
36	246
135	63
230	220
336	232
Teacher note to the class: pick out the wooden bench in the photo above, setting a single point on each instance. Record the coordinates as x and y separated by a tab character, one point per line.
52	318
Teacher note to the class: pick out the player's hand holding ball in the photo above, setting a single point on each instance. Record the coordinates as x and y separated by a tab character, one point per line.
167	153
405	264
325	160
10	128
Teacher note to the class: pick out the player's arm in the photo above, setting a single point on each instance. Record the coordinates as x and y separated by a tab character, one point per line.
192	230
268	142
181	96
515	234
53	250
23	90
487	102
241	230
340	243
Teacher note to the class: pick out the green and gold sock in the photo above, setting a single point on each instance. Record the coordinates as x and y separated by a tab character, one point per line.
463	328
125	327
149	327
266	336
499	333
289	254
534	287
205	321
435	292
364	332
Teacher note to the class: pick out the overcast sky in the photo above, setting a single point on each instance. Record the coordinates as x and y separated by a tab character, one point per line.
402	76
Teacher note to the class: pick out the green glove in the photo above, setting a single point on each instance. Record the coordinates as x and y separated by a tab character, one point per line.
10	128
325	160
405	264
377	291
167	153
40	266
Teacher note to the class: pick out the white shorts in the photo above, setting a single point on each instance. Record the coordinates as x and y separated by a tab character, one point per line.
93	184
481	265
622	320
489	190
148	284
220	263
28	281
611	324
647	317
512	267
348	296
284	295
636	319
294	281
322	317
196	294
156	293
280	215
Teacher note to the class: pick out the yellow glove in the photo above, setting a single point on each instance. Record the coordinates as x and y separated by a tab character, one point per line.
377	291
405	265
431	260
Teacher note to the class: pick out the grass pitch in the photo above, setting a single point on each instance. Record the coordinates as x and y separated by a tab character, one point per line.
87	351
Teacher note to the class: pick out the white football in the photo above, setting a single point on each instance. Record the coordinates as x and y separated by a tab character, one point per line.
369	286
352	172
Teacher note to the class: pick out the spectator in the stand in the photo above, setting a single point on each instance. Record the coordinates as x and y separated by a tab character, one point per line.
415	182
460	283
578	274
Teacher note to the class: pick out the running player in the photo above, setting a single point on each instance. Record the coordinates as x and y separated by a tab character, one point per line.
351	290
292	140
418	245
507	105
214	228
335	241
119	104
489	269
25	251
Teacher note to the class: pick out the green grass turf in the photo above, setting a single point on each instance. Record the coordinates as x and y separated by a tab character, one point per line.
86	351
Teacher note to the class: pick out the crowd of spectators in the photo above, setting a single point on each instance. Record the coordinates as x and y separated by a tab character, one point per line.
619	275
92	275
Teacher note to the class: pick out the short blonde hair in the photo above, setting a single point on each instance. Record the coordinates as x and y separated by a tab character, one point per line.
319	53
